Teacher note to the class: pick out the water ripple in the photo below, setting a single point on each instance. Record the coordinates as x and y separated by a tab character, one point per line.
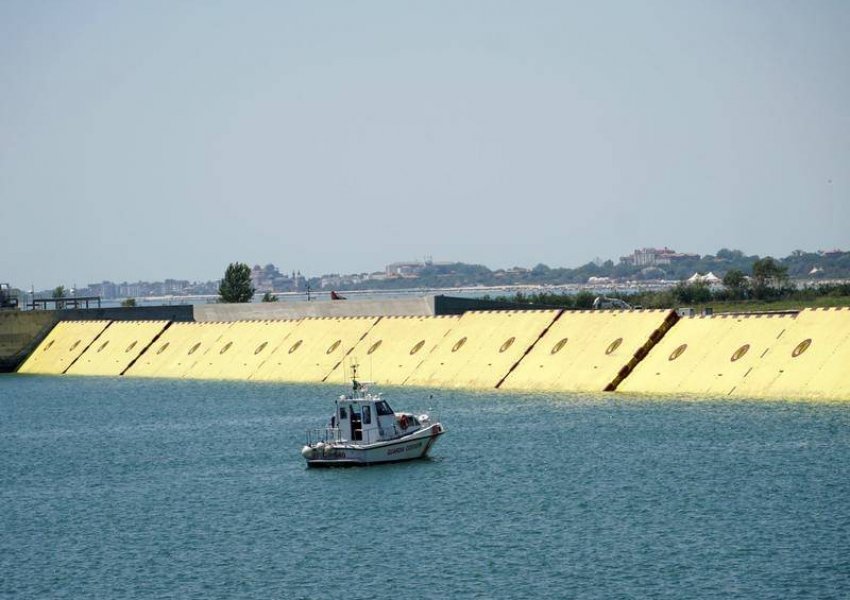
115	488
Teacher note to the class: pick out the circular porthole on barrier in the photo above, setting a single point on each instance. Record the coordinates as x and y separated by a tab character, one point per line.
194	348
459	344
613	346
226	348
295	346
74	345
417	347
50	343
261	347
163	348
801	347
559	346
740	352
131	346
677	352
374	347
103	345
333	346
508	343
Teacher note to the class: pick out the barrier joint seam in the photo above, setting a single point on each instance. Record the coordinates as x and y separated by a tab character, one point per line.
146	348
530	348
86	349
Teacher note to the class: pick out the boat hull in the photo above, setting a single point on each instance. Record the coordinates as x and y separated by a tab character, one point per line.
411	447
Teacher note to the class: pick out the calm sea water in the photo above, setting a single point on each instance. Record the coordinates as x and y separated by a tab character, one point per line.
122	488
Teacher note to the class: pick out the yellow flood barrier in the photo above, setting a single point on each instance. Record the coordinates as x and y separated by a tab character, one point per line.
589	351
810	360
313	349
708	355
116	348
394	348
62	346
482	348
178	349
241	349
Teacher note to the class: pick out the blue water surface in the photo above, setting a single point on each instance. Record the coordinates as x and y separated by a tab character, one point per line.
131	488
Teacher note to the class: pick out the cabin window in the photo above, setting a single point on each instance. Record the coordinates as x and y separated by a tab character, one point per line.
382	408
367	414
343	414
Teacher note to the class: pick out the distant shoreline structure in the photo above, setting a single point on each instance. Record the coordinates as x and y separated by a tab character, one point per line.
463	291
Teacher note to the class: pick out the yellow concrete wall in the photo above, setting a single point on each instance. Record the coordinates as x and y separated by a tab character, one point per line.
585	351
118	346
62	346
811	360
758	356
394	348
481	349
313	349
241	349
832	379
178	349
708	356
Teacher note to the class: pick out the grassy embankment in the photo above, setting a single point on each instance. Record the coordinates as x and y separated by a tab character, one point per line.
760	305
700	297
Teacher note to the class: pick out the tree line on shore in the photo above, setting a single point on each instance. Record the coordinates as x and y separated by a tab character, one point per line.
798	265
768	282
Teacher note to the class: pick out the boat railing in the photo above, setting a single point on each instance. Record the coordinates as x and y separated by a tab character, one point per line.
333	435
325	435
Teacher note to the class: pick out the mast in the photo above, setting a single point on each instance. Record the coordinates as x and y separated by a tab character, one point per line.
354	383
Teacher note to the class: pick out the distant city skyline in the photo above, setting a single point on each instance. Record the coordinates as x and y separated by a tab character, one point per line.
268	276
154	140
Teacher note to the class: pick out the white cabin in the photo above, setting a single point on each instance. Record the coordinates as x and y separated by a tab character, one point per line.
369	418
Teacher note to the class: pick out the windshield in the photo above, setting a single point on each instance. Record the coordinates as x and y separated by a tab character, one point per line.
382	408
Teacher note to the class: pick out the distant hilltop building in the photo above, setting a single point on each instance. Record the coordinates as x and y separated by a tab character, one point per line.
408	270
335	280
653	257
270	279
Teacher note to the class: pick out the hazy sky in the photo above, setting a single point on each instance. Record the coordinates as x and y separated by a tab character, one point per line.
145	140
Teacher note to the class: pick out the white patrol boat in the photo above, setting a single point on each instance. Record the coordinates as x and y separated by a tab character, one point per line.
365	431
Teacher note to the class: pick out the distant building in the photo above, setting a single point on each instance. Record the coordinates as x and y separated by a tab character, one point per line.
130	290
175	287
330	281
105	289
653	257
407	270
270	279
